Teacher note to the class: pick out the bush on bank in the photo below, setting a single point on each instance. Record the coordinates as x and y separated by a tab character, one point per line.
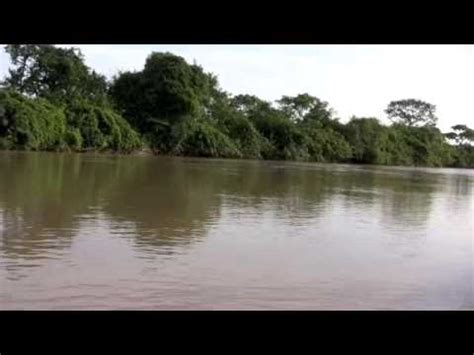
36	124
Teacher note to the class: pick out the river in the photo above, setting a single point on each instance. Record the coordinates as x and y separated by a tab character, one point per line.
90	231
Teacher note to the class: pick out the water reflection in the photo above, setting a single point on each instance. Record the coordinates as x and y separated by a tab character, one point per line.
174	201
170	203
158	207
46	198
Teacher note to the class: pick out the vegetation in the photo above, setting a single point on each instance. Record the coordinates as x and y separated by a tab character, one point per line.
463	137
30	123
412	112
56	74
51	100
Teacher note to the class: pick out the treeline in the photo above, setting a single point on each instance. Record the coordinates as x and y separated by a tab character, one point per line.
51	100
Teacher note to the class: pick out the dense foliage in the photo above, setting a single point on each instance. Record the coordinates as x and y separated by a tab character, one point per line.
412	112
30	123
57	74
37	124
52	101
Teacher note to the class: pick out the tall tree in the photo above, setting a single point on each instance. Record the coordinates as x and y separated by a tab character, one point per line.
167	90
250	104
364	134
58	74
461	134
411	112
304	106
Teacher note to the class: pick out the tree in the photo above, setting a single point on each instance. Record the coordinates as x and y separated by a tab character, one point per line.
423	146
327	145
234	123
37	124
250	105
168	90
171	103
28	123
364	134
461	134
301	106
57	74
127	94
288	141
411	112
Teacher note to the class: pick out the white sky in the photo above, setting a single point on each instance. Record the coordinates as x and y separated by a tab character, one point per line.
354	79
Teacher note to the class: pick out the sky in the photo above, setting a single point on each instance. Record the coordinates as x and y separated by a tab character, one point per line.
356	80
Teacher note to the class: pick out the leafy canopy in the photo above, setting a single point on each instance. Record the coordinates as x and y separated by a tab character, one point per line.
57	74
411	112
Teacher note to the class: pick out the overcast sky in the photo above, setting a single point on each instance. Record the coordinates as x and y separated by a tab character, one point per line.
355	80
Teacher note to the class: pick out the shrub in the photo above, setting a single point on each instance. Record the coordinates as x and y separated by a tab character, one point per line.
327	145
200	138
31	124
100	128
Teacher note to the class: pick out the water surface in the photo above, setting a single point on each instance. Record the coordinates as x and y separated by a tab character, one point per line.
143	232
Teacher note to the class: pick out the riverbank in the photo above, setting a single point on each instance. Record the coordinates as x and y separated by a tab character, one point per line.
147	152
176	108
38	125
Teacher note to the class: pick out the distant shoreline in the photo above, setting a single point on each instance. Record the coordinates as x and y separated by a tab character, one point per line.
148	152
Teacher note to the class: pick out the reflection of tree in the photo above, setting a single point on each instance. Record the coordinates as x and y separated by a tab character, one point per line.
407	198
403	196
167	201
356	187
291	191
460	184
173	201
30	197
458	187
170	201
42	194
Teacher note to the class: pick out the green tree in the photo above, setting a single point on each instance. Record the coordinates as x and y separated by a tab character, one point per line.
37	124
128	97
168	89
411	112
327	145
202	139
166	101
30	123
234	123
461	134
99	128
57	74
364	136
303	105
288	141
427	145
251	105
